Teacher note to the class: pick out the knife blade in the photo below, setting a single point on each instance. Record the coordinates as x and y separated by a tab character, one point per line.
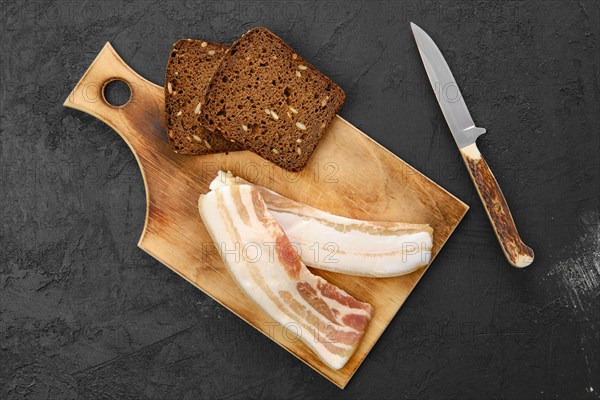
465	134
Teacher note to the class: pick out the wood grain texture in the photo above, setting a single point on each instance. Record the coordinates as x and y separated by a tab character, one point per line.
349	174
516	252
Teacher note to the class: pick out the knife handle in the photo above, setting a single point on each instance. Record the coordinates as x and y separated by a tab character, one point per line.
516	252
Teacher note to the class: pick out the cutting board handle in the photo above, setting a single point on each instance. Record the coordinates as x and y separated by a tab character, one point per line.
139	122
146	98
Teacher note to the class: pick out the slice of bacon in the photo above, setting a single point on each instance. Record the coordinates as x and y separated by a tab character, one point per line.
345	245
266	267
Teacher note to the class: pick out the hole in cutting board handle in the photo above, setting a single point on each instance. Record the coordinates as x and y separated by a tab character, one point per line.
116	92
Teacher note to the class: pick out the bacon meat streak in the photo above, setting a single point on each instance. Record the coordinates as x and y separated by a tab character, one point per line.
345	245
267	268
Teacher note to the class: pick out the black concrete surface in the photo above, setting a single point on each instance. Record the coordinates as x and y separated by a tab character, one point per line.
85	314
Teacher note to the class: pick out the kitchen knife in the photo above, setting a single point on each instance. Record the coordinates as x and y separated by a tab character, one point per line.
465	134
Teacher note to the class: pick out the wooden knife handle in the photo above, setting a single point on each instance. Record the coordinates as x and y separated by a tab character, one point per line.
516	252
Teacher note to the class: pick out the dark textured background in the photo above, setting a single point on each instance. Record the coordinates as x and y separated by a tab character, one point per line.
86	314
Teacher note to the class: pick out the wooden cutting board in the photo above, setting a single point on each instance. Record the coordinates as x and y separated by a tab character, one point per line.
349	174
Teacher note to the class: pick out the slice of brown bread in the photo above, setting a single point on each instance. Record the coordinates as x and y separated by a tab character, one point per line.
270	100
190	67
